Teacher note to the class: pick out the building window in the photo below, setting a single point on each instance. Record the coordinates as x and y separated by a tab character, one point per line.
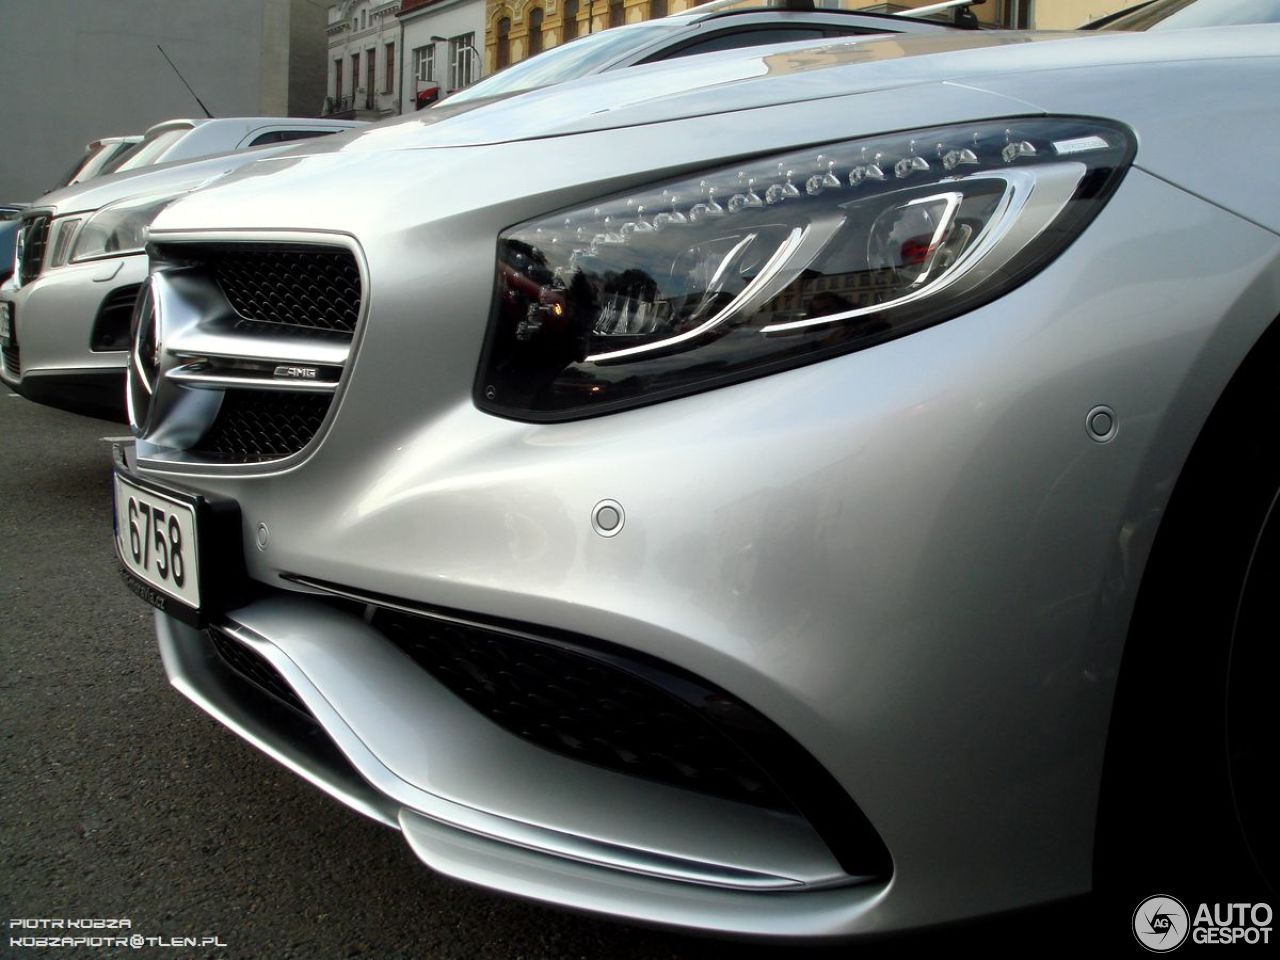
391	69
355	76
569	31
337	79
462	66
657	8
424	64
364	19
617	16
503	54
370	76
535	31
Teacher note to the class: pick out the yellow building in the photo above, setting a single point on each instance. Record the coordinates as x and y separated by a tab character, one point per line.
516	29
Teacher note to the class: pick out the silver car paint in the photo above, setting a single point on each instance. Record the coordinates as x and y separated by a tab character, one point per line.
914	559
56	313
56	310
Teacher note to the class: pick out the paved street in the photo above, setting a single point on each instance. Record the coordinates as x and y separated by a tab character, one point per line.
123	800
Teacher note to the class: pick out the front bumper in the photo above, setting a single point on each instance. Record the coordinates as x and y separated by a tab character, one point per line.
71	326
482	805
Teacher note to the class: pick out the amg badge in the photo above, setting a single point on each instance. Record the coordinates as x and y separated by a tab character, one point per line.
297	373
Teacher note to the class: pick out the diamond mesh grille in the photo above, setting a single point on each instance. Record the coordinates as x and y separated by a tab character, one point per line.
253	426
295	288
253	667
587	708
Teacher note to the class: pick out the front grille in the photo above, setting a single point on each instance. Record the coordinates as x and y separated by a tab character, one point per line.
590	707
253	426
111	326
34	239
252	666
253	315
9	348
12	358
295	288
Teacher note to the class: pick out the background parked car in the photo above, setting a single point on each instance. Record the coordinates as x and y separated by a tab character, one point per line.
188	139
10	220
100	157
80	264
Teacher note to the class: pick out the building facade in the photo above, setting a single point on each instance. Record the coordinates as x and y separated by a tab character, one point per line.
516	29
364	59
442	42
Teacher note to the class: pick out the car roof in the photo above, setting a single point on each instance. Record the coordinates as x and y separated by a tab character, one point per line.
666	37
247	123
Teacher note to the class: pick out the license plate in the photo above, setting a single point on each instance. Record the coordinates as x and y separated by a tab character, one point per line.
157	539
181	552
6	320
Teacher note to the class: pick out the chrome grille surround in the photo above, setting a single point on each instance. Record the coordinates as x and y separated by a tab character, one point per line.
207	384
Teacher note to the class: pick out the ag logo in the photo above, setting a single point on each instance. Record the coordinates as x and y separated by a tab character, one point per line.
1161	923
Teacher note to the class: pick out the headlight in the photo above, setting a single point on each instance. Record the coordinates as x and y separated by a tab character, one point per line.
119	228
64	230
772	263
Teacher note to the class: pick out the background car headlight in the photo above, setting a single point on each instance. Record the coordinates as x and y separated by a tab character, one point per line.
772	263
119	228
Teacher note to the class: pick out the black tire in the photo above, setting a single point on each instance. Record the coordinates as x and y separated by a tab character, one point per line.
1187	806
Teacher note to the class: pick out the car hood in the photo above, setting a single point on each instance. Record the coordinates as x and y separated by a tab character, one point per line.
664	118
173	178
743	80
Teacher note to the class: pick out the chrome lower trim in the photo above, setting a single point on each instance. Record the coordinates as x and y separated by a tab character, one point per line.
190	376
329	644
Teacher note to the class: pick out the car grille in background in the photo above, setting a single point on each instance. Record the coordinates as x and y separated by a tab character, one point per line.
293	288
111	326
253	667
12	358
587	707
253	426
35	239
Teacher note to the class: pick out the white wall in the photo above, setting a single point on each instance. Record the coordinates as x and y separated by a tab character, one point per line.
376	34
451	18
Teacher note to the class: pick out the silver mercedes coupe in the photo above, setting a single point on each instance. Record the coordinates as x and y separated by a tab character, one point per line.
801	492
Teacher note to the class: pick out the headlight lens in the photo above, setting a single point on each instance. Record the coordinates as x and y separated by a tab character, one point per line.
63	232
119	228
750	269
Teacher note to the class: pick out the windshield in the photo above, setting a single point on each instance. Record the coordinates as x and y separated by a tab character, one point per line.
104	160
845	6
127	150
150	149
577	58
70	175
1176	14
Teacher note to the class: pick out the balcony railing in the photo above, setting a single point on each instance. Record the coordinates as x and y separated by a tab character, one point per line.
334	105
